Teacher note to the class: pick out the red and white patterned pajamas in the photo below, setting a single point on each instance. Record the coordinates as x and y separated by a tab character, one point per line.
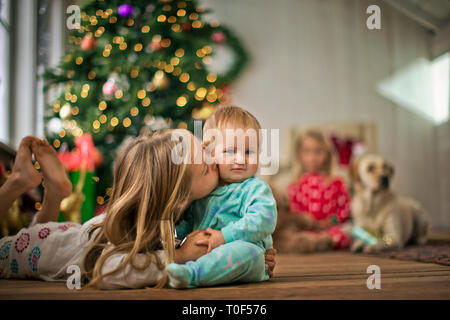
323	199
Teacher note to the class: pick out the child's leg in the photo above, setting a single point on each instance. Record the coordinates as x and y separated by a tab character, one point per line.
24	176
56	182
231	262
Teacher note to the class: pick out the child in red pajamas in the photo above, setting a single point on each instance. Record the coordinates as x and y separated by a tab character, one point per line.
318	194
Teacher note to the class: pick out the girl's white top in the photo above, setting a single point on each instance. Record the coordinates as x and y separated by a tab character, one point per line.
63	248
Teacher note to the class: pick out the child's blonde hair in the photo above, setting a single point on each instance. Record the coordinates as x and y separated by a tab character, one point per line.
329	166
144	206
231	115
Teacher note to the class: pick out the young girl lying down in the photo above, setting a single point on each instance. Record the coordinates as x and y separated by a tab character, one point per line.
130	244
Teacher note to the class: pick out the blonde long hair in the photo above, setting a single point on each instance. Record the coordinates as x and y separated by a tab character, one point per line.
144	206
329	167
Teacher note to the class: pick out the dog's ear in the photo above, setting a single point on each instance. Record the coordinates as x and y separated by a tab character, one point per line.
354	169
391	169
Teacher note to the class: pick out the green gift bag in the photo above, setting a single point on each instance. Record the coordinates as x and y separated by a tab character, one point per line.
88	191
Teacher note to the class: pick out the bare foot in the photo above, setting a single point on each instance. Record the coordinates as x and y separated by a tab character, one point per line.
55	176
24	174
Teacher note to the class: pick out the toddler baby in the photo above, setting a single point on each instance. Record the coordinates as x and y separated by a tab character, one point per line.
239	215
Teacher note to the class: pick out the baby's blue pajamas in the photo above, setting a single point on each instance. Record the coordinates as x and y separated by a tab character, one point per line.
246	214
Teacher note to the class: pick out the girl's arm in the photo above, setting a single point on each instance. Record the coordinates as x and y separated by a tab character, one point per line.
190	251
343	202
130	278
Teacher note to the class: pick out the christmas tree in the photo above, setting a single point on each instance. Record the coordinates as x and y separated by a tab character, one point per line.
136	64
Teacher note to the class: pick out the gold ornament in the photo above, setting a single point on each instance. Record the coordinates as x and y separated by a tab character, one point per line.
13	221
65	111
71	206
160	80
204	112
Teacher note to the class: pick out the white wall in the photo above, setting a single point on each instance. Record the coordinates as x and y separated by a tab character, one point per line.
443	167
316	61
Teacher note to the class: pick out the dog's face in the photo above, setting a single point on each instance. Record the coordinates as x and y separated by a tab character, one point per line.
373	172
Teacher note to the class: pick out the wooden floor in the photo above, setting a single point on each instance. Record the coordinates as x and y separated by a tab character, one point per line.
318	276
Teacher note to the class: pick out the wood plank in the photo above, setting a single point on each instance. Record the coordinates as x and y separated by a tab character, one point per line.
347	264
317	276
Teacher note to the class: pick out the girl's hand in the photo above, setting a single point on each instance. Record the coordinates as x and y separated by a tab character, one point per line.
215	239
270	260
190	251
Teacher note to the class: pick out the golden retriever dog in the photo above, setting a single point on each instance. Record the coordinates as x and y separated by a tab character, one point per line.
393	219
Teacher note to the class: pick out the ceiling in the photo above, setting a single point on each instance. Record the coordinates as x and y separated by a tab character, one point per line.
432	14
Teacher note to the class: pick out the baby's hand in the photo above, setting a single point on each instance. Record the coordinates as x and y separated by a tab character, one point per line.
215	239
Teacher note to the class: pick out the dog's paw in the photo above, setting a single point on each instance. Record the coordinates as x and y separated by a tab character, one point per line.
374	248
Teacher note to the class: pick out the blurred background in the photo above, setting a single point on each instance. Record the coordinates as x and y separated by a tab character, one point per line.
292	63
